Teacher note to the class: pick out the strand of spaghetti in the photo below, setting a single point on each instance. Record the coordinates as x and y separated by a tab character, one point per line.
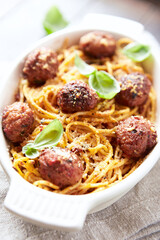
69	189
106	105
137	69
102	167
118	152
119	173
27	176
15	154
115	181
31	177
125	115
152	97
108	119
87	126
110	173
21	94
17	167
97	148
99	189
94	114
100	67
87	161
107	132
67	61
122	66
27	164
109	67
123	41
134	168
93	185
145	108
77	140
45	183
45	93
121	162
37	109
126	169
48	106
123	110
64	141
72	75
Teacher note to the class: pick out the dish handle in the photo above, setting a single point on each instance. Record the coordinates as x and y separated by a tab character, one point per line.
112	24
64	212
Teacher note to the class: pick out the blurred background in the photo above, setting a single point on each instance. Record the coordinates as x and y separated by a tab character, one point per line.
21	20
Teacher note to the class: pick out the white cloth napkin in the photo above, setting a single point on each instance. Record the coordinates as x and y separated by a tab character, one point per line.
136	216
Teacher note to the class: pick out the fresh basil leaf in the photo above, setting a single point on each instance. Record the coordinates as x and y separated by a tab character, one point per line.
54	20
50	136
137	51
30	151
105	85
83	67
27	147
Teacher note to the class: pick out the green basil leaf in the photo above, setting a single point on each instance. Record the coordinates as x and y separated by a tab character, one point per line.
54	20
27	147
30	151
137	51
105	85
83	67
50	136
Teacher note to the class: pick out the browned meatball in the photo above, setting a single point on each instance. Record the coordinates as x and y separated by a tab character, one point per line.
40	65
136	136
98	44
76	96
135	89
17	120
60	166
152	135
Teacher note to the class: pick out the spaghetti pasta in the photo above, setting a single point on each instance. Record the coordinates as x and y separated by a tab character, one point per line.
92	131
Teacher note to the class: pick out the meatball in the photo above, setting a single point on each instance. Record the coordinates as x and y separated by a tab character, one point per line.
98	44
152	135
17	121
40	65
135	89
136	136
60	166
76	96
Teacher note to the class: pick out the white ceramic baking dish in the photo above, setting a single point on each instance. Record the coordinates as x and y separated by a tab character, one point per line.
63	211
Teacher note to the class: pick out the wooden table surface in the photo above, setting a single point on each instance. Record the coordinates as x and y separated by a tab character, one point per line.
21	20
